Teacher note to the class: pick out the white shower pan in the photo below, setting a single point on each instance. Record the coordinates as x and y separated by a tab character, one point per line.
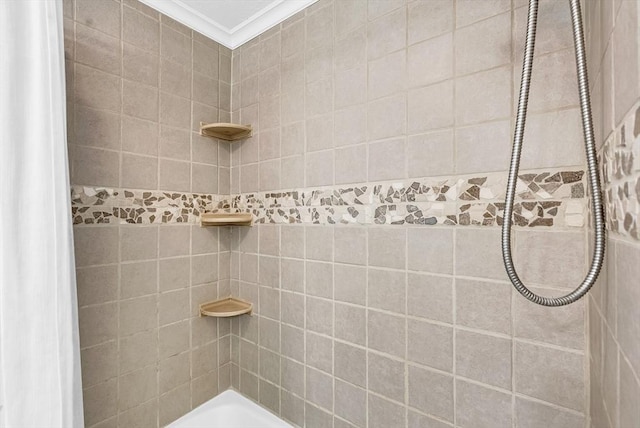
229	410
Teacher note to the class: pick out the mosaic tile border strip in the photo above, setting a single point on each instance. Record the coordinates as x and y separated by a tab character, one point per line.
620	167
544	199
100	205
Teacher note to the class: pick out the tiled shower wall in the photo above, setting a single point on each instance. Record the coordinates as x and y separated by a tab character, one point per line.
614	305
380	325
138	86
355	325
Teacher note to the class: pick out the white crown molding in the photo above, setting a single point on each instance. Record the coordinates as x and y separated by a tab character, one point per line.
253	26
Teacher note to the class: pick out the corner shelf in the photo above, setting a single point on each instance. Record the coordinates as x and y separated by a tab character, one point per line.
225	131
226	219
227	307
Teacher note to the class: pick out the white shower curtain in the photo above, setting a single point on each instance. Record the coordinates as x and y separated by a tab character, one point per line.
39	345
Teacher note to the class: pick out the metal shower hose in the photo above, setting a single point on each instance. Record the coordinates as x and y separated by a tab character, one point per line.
594	182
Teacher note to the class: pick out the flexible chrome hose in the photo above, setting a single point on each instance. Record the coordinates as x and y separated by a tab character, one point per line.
592	162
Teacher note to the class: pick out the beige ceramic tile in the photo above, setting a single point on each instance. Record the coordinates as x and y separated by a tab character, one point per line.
174	404
97	49
98	324
138	315
387	33
140	66
96	167
560	382
140	30
436	400
386	290
137	387
351	402
483	45
138	243
138	279
100	401
138	351
386	333
97	284
350	363
430	297
99	363
484	358
387	247
89	254
532	413
101	15
386	376
383	413
477	406
484	305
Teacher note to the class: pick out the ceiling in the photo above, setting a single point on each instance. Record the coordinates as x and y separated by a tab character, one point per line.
229	22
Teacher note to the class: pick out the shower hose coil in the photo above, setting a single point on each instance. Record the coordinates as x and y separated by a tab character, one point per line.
592	163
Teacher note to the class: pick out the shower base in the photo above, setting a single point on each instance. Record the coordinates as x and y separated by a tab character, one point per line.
230	409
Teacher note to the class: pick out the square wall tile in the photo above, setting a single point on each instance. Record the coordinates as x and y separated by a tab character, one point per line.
387	247
484	305
387	160
436	400
470	243
430	296
386	333
544	258
430	344
483	45
429	19
551	375
484	358
386	376
483	96
431	154
139	172
482	407
430	250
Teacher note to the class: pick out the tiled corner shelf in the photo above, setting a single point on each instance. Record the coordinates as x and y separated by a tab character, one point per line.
227	307
225	131
226	219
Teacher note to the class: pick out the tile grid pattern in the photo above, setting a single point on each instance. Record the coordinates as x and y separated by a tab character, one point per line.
138	84
400	326
612	30
361	92
138	88
331	104
147	357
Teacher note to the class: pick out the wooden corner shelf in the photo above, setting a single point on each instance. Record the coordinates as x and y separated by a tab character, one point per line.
225	131
227	307
226	219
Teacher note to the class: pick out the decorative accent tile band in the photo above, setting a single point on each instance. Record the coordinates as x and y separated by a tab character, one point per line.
100	205
544	199
620	164
550	198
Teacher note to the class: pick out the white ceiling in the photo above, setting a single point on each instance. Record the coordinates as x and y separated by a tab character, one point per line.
229	22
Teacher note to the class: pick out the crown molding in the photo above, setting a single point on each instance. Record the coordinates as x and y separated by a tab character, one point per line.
253	26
